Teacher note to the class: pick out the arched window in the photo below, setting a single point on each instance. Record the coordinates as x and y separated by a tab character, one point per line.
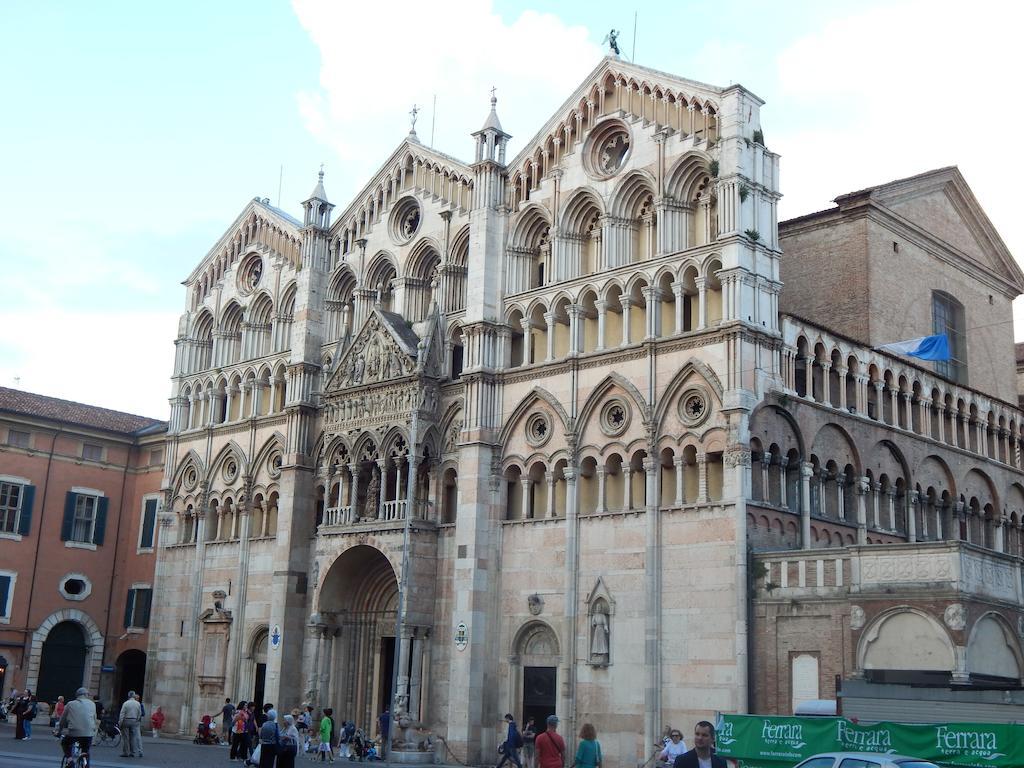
948	318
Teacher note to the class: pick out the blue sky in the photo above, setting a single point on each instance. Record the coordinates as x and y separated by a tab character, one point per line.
134	133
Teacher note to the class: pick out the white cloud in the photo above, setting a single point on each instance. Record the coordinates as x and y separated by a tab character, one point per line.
896	90
370	78
64	354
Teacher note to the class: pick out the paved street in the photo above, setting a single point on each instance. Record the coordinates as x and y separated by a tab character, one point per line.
44	750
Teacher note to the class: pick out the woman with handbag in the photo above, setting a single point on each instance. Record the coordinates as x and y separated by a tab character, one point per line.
588	753
289	744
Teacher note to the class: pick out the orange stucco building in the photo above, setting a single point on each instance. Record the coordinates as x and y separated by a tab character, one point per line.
79	504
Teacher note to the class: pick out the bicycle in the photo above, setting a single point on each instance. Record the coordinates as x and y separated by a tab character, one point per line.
77	758
109	734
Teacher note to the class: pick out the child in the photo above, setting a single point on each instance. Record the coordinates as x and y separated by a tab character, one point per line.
326	726
157	721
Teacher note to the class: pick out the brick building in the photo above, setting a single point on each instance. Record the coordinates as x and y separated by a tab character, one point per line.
79	494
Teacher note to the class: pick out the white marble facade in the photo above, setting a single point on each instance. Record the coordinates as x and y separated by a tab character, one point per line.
519	389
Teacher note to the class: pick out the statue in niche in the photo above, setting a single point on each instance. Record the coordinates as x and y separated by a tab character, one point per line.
372	492
357	370
599	632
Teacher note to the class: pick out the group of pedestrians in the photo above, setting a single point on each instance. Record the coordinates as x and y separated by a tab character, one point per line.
547	748
262	737
25	708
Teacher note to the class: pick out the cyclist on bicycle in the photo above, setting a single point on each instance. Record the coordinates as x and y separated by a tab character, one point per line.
78	723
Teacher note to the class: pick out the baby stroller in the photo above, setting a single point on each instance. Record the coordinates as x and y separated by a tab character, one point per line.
205	733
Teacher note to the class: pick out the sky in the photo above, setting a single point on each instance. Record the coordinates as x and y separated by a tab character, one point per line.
134	133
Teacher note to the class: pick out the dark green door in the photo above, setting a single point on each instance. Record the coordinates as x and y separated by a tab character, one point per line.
62	666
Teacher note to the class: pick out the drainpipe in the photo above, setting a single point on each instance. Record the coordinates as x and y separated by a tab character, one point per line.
113	566
26	647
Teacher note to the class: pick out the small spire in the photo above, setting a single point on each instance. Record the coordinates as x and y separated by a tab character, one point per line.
318	191
492	122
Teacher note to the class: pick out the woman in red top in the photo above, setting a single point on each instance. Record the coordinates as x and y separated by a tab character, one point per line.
157	720
550	746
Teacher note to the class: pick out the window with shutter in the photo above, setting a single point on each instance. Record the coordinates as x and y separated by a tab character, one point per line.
136	608
6	581
146	535
11	496
84	521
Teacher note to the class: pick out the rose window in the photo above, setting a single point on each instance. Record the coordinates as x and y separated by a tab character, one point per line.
693	406
614	418
538	429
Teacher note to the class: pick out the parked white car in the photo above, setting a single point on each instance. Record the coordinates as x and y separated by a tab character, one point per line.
863	760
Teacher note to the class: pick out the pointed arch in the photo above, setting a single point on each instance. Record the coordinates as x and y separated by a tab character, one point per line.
189	460
693	366
598	394
537	394
231	449
688	176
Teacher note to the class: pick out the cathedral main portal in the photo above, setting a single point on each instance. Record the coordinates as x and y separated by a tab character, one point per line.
355	655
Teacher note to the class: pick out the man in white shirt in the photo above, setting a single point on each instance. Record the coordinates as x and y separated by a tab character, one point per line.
130	721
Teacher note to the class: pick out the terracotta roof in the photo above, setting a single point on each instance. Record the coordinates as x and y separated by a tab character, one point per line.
31	404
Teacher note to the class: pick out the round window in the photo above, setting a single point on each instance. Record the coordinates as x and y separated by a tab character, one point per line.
230	470
607	149
250	274
274	465
693	406
538	429
614	417
405	220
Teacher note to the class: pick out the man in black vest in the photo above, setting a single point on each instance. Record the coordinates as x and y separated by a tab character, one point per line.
702	755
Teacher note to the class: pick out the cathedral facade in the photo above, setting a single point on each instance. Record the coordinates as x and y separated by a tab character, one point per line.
482	442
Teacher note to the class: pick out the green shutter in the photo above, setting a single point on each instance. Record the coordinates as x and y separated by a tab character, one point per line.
129	605
68	525
148	524
101	520
5	585
28	494
144	598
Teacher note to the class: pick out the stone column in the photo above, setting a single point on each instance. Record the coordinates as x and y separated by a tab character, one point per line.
627	488
702	303
601	477
679	463
841	496
912	517
783	491
702	478
527	341
549	318
766	460
806	472
549	478
891	494
626	303
652	619
863	487
602	310
574	329
524	483
826	382
382	465
679	294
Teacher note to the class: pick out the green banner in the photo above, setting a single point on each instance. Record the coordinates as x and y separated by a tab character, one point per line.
782	742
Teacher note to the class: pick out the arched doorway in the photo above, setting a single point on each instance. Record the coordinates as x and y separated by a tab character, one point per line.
535	673
259	667
130	674
62	664
357	605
